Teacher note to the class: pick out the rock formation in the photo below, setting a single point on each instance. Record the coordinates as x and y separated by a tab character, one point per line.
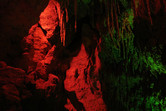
78	76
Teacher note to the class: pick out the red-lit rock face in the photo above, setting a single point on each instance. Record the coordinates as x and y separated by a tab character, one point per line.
12	87
37	46
49	18
87	89
81	84
59	75
79	77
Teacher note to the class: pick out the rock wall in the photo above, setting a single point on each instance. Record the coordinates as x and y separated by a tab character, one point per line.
71	79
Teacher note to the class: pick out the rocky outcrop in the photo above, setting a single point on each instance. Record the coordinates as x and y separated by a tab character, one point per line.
17	89
82	79
12	87
38	49
54	79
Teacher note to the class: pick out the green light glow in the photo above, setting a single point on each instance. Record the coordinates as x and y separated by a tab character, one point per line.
86	1
155	65
135	85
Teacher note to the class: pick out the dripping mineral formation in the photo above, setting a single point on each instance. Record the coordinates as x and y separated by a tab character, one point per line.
82	55
55	78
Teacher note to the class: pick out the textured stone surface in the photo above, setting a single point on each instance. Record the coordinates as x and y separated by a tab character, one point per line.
87	89
49	18
17	17
12	87
37	47
47	64
49	86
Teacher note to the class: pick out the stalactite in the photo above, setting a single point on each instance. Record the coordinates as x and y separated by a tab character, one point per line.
134	8
63	33
67	17
148	8
75	14
112	16
61	22
109	27
118	8
108	19
116	17
98	62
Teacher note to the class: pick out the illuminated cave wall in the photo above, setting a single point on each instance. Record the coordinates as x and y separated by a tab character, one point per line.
83	55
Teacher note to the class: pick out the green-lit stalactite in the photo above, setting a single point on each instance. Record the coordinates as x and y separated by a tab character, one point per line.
145	66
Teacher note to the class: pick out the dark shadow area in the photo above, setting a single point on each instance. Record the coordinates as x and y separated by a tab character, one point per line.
17	18
74	101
